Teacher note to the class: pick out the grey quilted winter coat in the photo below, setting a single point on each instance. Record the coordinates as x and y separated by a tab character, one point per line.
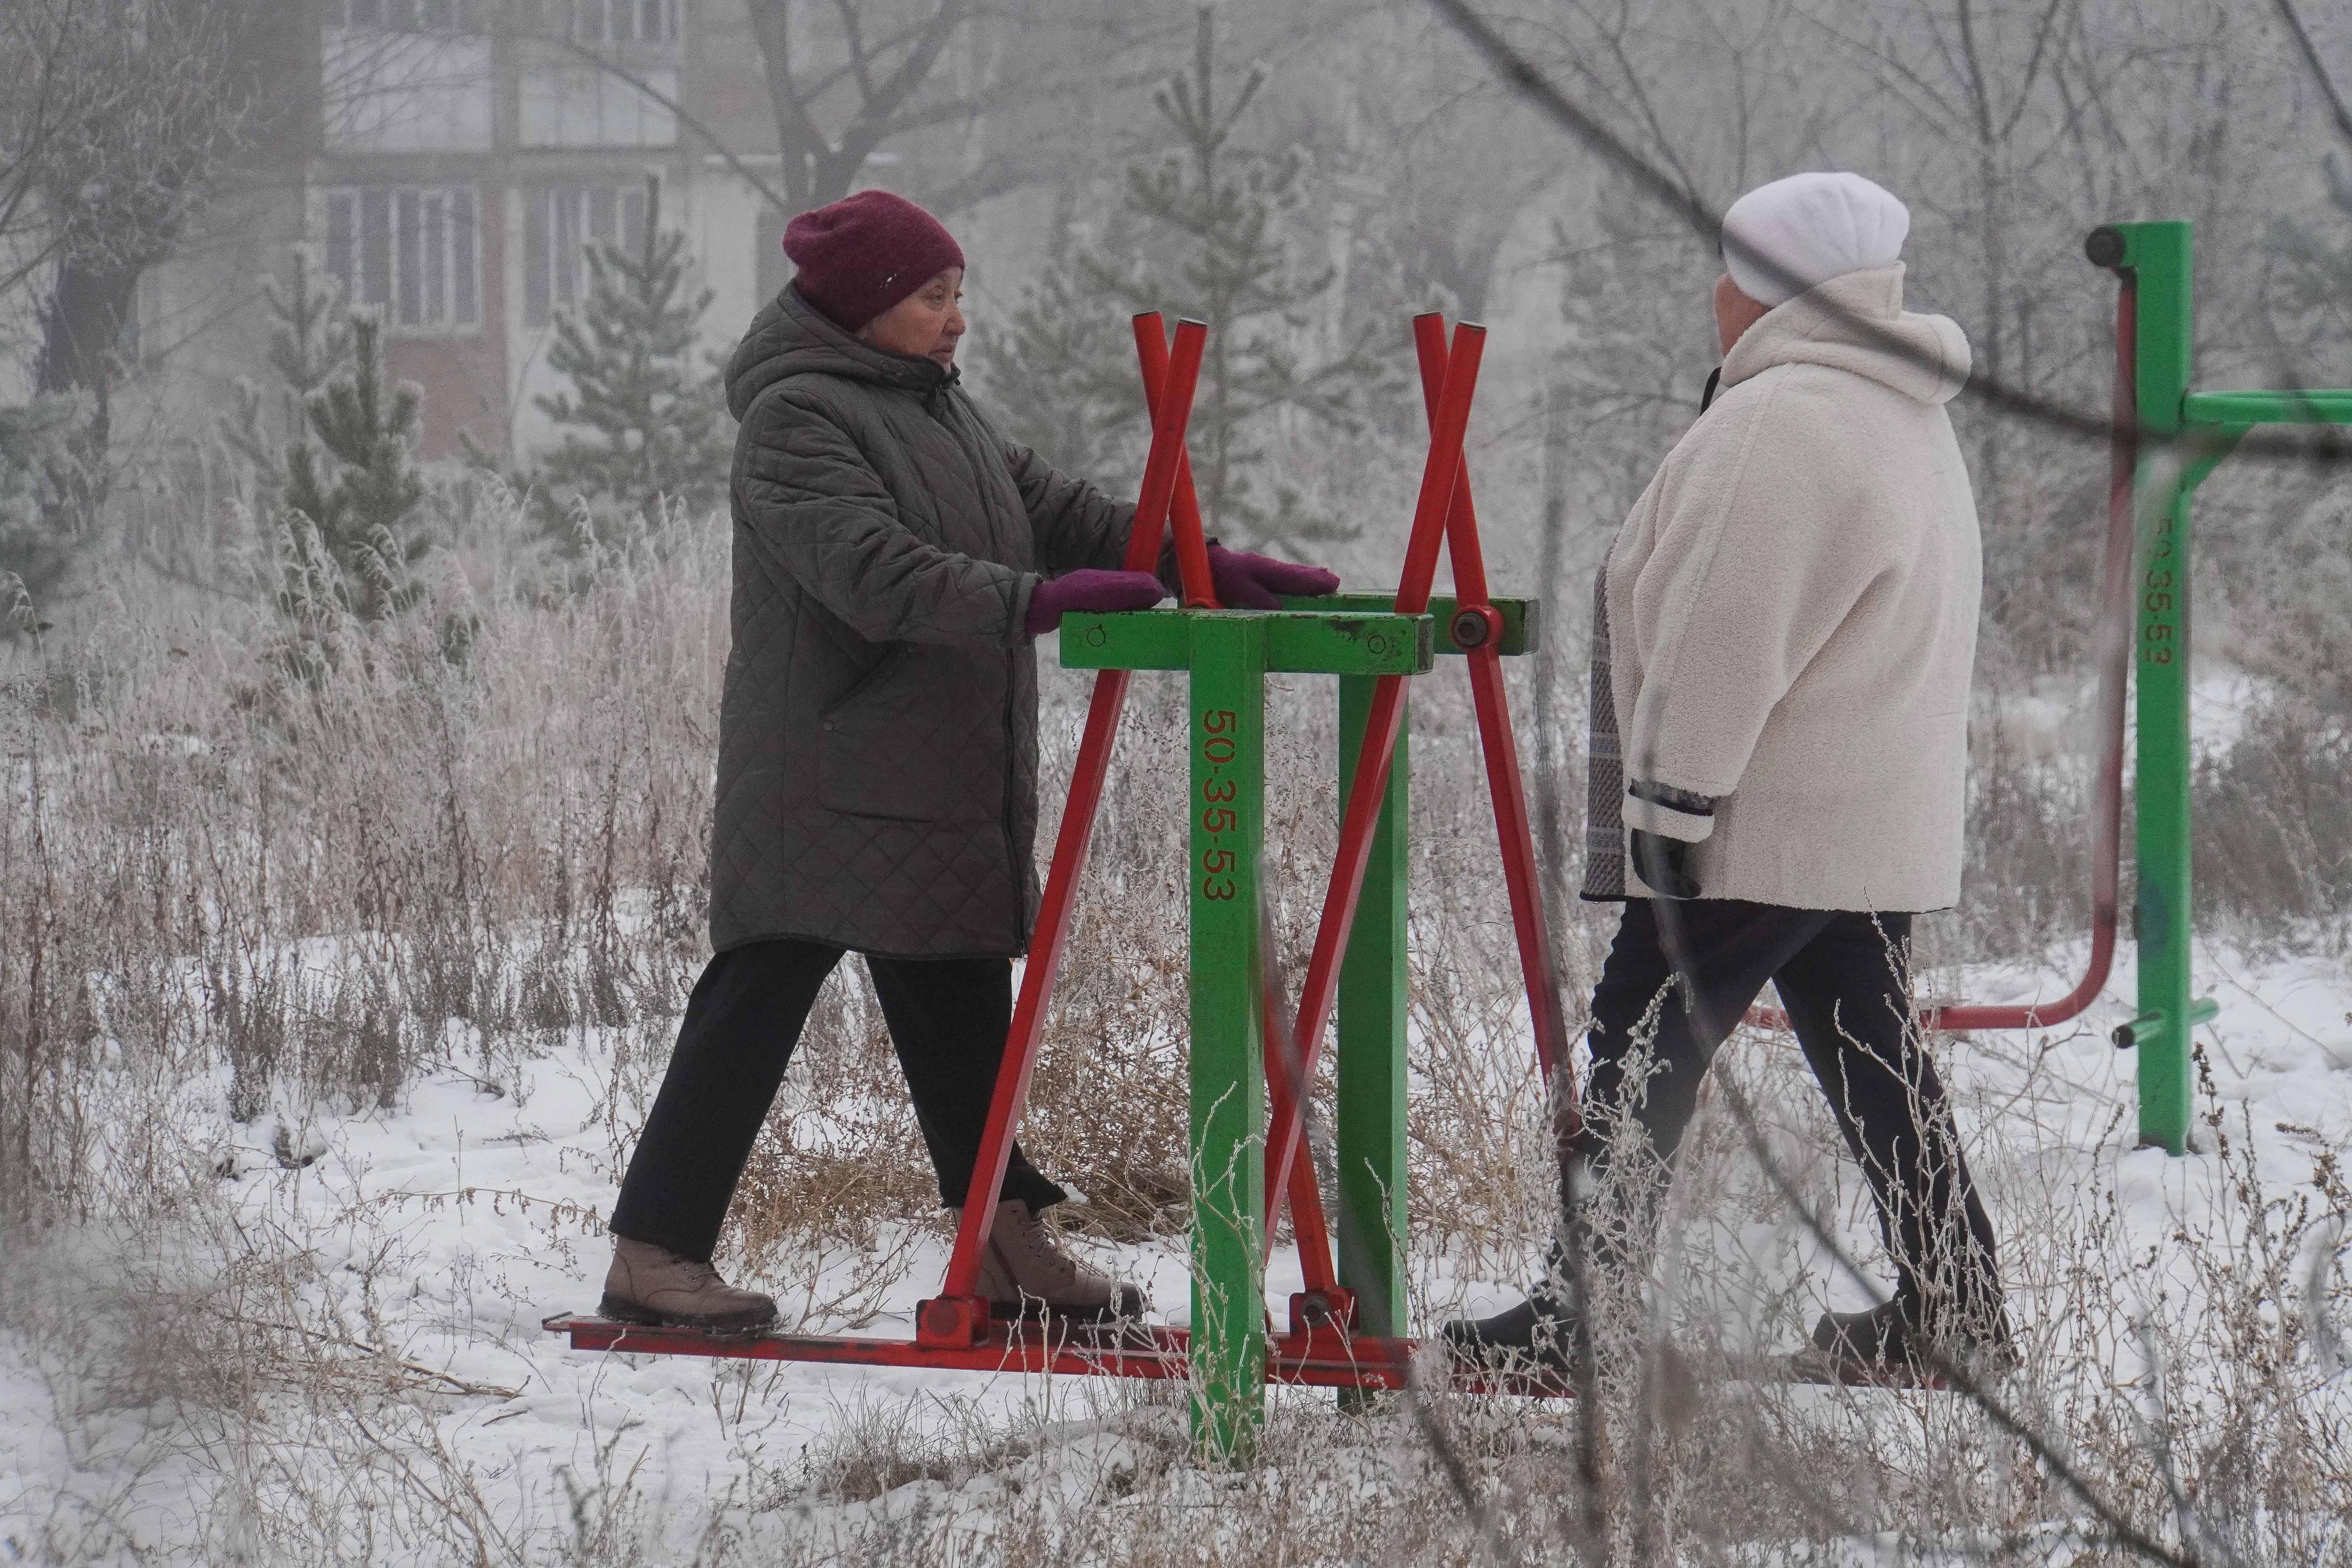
878	740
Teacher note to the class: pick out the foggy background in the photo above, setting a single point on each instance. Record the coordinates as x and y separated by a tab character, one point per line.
364	568
1302	174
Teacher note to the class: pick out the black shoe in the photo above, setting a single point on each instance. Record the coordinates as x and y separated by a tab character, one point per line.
1537	1335
1885	1346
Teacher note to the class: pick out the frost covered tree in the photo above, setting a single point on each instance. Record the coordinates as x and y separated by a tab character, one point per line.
115	120
1063	365
643	416
1010	84
2312	283
36	467
1214	229
310	341
357	488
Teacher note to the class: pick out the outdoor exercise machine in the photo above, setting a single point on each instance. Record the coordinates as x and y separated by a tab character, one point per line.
2167	440
1252	1057
2181	436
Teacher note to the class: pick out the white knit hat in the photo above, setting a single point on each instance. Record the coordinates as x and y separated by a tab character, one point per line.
1811	227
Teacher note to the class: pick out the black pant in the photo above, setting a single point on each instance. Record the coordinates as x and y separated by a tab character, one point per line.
948	1020
1845	982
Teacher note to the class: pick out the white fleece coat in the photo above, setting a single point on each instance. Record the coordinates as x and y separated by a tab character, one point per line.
1793	614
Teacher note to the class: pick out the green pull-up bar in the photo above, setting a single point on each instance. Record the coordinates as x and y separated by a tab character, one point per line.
2182	436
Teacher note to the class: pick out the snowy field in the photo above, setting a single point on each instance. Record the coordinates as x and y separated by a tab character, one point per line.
415	1250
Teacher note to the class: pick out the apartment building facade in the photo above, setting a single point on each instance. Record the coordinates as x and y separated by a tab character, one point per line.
450	162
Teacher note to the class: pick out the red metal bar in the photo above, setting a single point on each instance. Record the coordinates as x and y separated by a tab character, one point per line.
1284	1173
1313	1231
1287	1082
1092	768
1513	835
1191	541
2114	638
1467	554
1199	592
1322	1359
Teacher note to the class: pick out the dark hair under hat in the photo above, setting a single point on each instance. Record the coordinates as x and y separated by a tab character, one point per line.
864	253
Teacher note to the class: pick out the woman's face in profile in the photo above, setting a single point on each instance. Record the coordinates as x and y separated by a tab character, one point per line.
927	325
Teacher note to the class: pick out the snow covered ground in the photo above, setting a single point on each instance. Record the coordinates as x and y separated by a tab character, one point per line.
436	1236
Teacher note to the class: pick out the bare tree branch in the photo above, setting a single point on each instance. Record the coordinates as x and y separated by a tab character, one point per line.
834	111
742	170
1995	391
2318	69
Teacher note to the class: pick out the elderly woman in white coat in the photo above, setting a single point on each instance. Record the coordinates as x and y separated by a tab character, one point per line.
1784	635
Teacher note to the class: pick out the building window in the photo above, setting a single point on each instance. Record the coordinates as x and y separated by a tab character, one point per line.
623	21
559	222
408	16
414	252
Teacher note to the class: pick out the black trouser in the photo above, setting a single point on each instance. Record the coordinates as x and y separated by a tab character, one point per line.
1846	982
948	1020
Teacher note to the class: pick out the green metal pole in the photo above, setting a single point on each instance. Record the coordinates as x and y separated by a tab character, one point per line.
2158	255
1228	813
1370	1135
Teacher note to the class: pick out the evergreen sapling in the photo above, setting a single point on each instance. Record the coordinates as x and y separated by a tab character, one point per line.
310	341
1213	230
356	490
641	417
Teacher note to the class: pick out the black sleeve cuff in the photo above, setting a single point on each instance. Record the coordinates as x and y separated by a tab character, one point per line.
1668	812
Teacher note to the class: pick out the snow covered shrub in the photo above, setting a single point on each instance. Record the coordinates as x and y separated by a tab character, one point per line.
2274	821
2274	804
412	859
2027	875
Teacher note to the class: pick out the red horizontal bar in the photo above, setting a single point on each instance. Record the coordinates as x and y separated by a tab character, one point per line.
1138	1351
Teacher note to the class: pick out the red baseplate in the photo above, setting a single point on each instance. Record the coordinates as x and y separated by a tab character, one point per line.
1317	1359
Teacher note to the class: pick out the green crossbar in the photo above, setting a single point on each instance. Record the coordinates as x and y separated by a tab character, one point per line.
1521	623
1294	642
2267	408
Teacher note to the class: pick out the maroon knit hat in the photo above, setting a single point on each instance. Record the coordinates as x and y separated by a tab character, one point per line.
864	253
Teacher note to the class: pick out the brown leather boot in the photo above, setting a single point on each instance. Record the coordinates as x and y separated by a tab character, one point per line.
654	1286
1023	1267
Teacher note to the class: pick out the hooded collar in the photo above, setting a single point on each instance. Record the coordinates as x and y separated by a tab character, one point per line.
792	337
1856	322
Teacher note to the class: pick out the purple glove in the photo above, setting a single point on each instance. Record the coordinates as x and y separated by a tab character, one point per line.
1089	589
1247	581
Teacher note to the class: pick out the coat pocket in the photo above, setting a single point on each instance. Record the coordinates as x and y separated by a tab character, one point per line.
887	747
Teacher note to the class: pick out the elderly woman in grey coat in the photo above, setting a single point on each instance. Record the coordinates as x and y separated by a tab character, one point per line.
878	754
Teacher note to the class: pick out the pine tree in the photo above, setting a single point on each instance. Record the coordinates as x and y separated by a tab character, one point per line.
362	494
649	405
310	341
1062	370
1209	230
